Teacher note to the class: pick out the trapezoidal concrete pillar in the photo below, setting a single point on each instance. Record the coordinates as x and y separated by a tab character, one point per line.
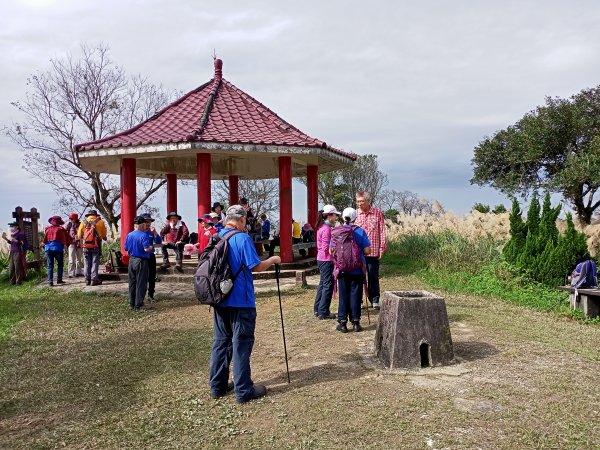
413	331
128	198
285	209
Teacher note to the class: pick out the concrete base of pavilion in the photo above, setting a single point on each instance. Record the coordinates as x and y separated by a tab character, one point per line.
299	269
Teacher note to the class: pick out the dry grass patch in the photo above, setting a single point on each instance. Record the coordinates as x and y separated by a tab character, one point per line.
139	380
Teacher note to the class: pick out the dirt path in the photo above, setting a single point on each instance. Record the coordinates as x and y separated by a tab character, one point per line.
523	380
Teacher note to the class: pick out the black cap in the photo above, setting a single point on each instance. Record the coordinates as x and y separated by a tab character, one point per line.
139	220
148	216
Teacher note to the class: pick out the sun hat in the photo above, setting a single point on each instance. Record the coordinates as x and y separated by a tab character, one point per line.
206	218
213	215
173	213
330	209
73	216
56	220
215	204
350	213
92	212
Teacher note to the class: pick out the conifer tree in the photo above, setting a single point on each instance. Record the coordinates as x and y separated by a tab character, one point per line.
518	233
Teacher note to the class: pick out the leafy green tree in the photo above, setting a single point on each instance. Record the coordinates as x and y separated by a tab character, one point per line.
480	207
391	214
554	147
499	209
518	233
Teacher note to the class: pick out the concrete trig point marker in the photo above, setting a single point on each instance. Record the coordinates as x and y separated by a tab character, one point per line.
413	331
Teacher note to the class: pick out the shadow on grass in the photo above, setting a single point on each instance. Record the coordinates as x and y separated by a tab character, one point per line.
348	368
473	351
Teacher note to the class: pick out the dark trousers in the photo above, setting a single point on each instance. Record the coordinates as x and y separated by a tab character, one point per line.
178	252
151	274
274	243
350	289
58	256
373	277
137	275
233	338
325	289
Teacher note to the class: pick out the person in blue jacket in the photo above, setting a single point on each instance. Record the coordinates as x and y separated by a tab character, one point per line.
235	318
139	246
155	238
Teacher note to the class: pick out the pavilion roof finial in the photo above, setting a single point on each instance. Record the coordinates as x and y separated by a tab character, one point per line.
218	68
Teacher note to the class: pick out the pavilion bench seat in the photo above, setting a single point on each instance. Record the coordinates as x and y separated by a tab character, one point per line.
588	300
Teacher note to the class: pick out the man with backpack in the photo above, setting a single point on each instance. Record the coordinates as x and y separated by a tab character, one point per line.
373	222
75	252
92	232
234	317
349	246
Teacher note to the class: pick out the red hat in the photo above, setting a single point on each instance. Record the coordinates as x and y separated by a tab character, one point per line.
56	220
73	216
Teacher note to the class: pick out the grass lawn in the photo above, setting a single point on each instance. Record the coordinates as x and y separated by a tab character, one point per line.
82	371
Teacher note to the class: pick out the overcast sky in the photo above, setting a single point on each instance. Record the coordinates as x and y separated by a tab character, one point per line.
417	83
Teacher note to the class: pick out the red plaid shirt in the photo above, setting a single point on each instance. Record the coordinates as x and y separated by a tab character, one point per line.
373	223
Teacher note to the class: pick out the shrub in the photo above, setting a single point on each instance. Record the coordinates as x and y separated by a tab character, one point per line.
480	207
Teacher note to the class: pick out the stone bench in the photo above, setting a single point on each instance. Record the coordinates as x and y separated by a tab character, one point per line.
587	300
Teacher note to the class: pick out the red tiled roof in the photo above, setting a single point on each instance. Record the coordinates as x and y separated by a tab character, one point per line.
215	112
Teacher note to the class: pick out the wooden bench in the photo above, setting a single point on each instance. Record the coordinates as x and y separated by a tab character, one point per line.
303	246
588	300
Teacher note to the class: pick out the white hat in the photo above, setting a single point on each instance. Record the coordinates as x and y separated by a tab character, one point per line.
213	215
330	209
350	213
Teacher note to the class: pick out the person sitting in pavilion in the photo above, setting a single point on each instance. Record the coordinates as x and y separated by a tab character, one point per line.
217	208
174	235
208	231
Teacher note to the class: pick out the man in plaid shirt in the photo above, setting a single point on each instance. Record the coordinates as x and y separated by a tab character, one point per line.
372	221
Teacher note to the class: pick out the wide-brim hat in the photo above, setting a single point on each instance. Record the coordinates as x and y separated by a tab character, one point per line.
73	216
215	204
56	220
173	213
330	209
91	212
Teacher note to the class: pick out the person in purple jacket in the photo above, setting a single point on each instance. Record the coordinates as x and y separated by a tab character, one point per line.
16	256
327	220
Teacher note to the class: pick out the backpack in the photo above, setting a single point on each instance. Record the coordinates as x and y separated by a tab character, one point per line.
90	235
588	275
347	256
213	280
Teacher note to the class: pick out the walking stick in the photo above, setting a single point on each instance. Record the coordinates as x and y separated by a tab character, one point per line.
367	299
282	326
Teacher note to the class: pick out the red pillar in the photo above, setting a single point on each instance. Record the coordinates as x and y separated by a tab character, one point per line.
203	173
285	208
234	192
128	199
171	192
312	194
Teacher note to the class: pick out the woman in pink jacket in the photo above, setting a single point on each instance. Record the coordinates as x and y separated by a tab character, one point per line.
327	220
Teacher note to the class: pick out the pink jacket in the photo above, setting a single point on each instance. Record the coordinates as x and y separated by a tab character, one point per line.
323	240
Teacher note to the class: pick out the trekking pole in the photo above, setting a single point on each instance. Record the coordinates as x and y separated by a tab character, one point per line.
282	327
367	302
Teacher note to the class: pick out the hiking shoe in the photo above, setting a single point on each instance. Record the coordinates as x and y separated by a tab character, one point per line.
50	283
326	317
217	395
96	282
258	392
356	327
375	305
342	327
88	282
60	282
178	268
151	299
